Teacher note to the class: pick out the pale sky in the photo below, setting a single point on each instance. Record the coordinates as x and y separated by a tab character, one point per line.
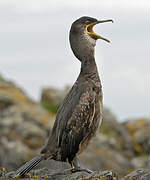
35	51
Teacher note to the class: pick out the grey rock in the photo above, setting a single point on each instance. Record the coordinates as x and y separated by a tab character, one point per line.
67	175
105	155
53	95
24	125
45	173
112	128
141	162
140	174
140	133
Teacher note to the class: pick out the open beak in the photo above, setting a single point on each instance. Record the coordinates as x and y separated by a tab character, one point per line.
92	34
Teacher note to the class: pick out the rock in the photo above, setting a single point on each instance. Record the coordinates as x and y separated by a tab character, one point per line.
140	174
141	162
47	174
54	95
113	129
52	98
3	171
103	153
140	133
49	94
24	125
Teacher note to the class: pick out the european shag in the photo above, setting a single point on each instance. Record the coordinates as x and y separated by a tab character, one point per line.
80	114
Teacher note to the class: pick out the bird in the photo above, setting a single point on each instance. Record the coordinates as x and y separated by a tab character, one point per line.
80	114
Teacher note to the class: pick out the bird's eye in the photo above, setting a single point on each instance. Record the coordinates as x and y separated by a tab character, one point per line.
87	22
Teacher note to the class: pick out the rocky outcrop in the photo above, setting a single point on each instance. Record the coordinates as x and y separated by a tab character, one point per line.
45	173
140	174
51	98
112	147
139	131
25	126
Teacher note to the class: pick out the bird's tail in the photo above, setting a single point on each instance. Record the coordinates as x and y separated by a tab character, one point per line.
29	165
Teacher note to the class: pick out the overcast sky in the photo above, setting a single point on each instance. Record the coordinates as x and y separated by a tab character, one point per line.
35	51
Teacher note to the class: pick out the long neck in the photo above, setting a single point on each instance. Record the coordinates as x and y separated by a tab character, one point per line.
89	68
82	46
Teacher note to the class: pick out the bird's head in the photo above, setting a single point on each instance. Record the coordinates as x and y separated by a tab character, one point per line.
82	36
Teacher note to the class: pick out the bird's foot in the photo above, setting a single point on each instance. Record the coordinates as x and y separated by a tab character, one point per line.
69	171
79	169
76	166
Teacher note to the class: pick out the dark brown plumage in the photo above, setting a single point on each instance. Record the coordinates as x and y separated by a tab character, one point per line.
80	115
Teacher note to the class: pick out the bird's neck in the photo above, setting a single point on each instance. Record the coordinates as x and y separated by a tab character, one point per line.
89	69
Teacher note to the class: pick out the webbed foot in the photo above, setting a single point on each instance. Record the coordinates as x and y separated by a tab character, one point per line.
76	167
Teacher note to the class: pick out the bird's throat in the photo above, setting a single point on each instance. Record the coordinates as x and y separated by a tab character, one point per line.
89	67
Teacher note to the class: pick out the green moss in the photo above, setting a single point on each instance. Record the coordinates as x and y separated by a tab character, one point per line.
143	154
50	107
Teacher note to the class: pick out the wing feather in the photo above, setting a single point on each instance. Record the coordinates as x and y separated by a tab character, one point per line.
72	122
78	125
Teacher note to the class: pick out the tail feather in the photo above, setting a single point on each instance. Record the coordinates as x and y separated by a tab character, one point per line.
29	165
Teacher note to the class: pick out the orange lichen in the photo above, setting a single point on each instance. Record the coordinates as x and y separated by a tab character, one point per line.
45	122
135	125
16	176
16	94
3	169
35	176
96	178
